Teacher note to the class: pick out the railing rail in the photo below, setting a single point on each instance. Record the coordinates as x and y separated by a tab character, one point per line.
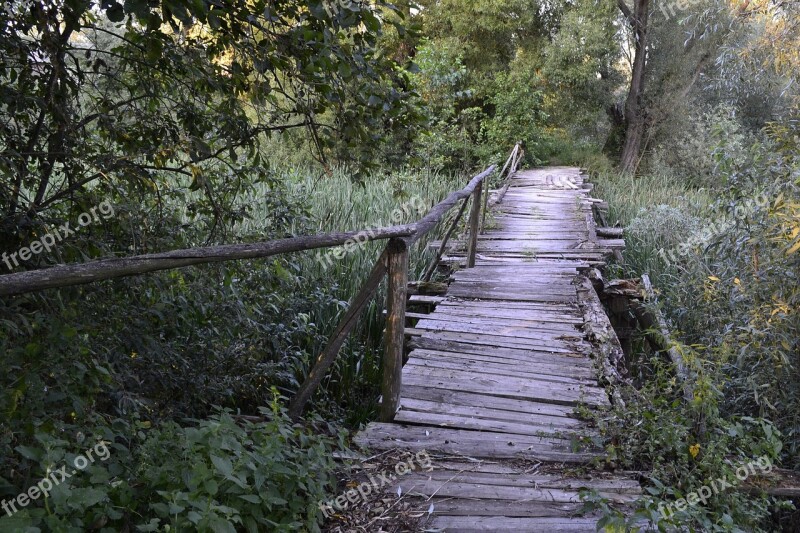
393	262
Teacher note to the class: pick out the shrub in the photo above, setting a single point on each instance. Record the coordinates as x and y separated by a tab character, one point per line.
222	473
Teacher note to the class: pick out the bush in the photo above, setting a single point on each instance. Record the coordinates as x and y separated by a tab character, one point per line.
218	474
732	300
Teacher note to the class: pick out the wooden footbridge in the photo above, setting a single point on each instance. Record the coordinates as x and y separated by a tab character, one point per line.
499	371
493	381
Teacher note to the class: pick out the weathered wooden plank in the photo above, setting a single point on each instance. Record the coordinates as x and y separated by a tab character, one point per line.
529	320
538	390
456	489
495	508
527	354
482	339
470	443
617	484
462	291
451	420
499	370
560	368
464	524
564	323
408	404
469	399
509	330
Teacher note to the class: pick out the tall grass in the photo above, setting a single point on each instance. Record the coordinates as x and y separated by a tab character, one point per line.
336	203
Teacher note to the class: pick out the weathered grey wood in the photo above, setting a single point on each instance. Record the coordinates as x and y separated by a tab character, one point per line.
469	399
614	233
499	368
486	368
464	524
397	263
560	325
516	157
414	405
452	420
474	222
608	351
420	298
443	245
463	473
343	329
527	352
493	365
499	177
471	489
538	391
78	274
496	341
475	507
470	443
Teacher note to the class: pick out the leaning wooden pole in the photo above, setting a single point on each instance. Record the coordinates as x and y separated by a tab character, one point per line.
397	262
659	338
440	252
346	325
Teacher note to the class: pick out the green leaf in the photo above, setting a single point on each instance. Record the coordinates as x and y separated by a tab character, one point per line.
34	454
223	465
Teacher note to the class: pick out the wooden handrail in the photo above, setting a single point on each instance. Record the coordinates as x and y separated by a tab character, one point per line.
516	158
511	158
443	246
393	260
103	269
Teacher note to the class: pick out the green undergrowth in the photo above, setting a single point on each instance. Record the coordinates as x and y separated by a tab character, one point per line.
725	265
172	370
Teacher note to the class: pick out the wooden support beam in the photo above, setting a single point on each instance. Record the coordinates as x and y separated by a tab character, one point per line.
658	336
610	233
435	262
397	262
474	223
346	325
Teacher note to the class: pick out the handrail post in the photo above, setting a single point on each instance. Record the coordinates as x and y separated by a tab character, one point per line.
397	262
474	225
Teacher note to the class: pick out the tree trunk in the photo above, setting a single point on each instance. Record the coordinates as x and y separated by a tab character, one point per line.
635	114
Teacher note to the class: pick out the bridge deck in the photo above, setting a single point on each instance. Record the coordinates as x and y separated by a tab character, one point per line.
500	367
